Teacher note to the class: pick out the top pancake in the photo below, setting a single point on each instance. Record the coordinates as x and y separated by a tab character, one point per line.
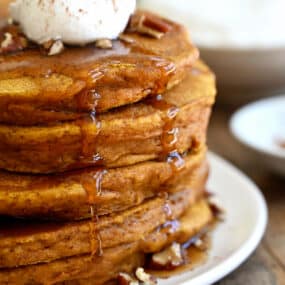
87	78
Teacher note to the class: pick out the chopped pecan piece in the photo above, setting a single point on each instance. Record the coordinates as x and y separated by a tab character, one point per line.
169	258
11	39
8	41
126	279
47	45
104	43
56	48
145	278
149	25
126	38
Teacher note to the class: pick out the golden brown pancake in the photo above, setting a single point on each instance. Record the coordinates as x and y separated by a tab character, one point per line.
124	257
35	88
125	136
29	243
68	196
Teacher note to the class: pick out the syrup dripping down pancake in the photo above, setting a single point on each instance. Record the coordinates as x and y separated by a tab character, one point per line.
68	196
121	137
24	243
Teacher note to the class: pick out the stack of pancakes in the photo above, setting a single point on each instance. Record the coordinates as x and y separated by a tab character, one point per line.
102	154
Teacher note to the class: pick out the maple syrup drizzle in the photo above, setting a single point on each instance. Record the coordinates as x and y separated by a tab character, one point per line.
170	133
170	227
95	236
88	155
88	99
176	160
92	184
167	210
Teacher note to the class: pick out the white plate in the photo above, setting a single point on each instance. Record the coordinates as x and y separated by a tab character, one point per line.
261	127
237	237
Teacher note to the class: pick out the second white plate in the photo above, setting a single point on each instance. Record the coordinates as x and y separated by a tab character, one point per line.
261	127
237	237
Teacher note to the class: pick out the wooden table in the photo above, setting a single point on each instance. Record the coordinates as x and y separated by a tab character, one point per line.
267	265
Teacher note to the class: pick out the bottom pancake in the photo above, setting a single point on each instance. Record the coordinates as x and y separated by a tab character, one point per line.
24	243
97	270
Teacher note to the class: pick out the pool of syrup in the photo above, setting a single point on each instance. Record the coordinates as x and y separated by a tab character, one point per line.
193	256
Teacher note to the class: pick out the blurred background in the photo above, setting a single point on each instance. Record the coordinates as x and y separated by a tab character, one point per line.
244	44
243	41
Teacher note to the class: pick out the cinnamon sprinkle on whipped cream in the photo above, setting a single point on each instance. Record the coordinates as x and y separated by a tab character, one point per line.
72	22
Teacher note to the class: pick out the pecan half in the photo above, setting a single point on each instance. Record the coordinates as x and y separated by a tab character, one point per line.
104	44
155	23
12	40
149	25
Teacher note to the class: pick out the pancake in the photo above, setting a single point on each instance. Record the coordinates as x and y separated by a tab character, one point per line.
124	257
68	196
35	88
29	243
176	121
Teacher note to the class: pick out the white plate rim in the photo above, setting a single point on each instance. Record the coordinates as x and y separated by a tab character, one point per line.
233	261
245	109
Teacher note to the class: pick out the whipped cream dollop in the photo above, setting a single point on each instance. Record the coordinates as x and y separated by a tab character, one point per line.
76	22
